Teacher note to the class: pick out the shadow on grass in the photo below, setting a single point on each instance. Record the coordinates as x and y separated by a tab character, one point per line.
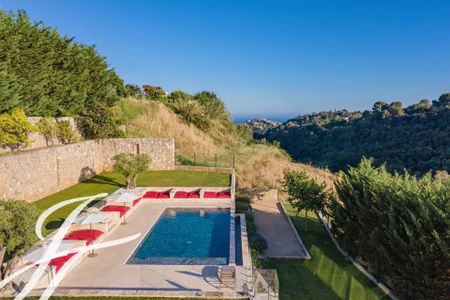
100	179
52	225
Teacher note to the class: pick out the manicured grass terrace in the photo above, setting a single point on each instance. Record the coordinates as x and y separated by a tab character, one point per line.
327	275
109	182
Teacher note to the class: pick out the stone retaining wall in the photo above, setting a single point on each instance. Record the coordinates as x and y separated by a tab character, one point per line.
32	175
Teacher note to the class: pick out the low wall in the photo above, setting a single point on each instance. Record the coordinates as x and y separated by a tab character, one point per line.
32	175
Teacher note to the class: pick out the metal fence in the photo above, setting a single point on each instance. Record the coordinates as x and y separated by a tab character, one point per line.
265	284
201	160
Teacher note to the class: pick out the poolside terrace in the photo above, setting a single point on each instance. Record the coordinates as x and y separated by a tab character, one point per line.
108	273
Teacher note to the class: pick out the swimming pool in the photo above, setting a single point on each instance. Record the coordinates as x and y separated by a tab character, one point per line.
184	236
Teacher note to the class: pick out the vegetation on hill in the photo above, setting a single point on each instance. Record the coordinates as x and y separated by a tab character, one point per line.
415	138
47	74
257	164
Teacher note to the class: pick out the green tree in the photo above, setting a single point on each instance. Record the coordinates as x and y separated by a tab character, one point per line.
153	92
65	132
304	193
17	222
132	90
130	165
98	123
9	91
213	107
48	129
398	225
15	129
49	74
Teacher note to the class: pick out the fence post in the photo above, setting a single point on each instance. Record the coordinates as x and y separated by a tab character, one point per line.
195	161
215	159
234	162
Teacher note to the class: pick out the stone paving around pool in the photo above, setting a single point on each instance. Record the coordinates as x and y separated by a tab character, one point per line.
107	274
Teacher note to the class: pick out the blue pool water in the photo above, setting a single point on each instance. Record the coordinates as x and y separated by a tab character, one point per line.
238	241
187	236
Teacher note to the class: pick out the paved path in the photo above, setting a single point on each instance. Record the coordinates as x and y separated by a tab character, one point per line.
274	226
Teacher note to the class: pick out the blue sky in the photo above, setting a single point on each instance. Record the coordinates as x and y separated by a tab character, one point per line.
268	58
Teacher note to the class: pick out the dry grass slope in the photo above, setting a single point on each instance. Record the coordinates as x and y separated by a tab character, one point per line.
257	165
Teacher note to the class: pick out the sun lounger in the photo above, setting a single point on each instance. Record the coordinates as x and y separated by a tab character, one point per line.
151	195
84	235
116	208
58	262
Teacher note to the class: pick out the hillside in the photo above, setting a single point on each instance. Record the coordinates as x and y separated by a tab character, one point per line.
415	138
257	164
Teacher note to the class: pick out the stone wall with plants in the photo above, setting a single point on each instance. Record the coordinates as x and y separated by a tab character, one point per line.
32	175
49	132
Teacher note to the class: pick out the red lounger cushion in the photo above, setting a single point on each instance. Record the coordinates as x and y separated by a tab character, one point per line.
194	194
151	194
224	194
164	195
136	201
117	208
210	195
58	262
181	194
84	235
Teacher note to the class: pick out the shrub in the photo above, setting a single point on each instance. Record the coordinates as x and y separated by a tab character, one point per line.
17	222
65	133
98	123
48	128
14	129
399	225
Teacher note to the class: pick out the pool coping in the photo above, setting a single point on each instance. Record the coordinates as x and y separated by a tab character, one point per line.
156	222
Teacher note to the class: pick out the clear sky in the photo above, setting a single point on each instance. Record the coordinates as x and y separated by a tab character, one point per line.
268	58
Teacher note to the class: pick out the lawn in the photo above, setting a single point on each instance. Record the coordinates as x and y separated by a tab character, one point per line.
327	275
109	182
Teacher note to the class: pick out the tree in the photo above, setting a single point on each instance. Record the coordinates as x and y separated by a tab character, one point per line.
130	165
17	222
304	193
65	132
132	90
214	108
14	129
48	129
48	74
379	106
399	225
98	123
153	92
9	91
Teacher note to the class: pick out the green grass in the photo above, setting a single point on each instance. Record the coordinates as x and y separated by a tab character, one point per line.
327	275
109	182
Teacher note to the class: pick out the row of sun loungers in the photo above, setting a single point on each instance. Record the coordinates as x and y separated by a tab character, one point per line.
196	194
